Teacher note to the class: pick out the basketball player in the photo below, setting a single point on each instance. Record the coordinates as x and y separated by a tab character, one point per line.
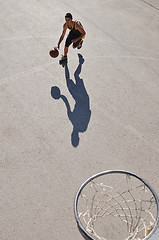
75	36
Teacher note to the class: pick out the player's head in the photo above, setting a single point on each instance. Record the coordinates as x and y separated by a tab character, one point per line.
68	17
75	138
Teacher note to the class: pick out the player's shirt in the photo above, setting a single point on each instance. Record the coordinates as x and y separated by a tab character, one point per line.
73	30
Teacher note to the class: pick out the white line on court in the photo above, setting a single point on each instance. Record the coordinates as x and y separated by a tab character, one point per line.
41	68
29	71
25	38
53	37
124	44
135	57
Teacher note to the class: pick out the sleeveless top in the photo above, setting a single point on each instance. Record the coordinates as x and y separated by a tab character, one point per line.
74	28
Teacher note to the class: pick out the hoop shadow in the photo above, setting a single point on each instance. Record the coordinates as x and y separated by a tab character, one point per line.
80	116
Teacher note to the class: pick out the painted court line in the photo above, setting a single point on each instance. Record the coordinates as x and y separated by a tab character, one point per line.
99	39
41	68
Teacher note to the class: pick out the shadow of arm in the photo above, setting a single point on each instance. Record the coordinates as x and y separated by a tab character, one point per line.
67	106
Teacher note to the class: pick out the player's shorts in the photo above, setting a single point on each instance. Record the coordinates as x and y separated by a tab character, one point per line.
70	37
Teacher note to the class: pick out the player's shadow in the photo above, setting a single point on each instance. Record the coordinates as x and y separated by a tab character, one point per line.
80	116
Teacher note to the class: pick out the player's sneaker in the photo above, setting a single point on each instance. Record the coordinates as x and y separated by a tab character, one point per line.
63	58
80	44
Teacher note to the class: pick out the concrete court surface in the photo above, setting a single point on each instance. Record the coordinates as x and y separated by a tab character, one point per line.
115	111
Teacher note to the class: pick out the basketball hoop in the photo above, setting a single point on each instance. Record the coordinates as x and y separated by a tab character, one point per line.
116	205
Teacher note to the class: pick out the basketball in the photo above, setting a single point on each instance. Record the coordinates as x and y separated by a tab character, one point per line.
54	53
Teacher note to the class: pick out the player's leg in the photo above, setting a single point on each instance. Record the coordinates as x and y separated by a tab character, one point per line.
65	50
64	57
78	44
67	44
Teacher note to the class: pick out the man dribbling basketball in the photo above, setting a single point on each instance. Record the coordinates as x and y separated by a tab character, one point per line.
75	36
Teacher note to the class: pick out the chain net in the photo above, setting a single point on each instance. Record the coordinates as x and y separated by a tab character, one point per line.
117	208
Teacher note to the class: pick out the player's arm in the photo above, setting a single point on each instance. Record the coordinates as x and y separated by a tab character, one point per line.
80	29
62	35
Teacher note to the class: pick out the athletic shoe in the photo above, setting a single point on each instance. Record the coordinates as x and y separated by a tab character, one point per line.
80	44
63	58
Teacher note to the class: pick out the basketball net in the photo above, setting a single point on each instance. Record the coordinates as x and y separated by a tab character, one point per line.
127	210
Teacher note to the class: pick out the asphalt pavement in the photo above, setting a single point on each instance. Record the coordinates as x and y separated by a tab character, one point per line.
102	115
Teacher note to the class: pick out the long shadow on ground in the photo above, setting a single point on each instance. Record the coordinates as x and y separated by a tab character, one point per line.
80	116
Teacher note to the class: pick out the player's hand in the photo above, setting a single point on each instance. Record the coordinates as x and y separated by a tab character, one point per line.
57	47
